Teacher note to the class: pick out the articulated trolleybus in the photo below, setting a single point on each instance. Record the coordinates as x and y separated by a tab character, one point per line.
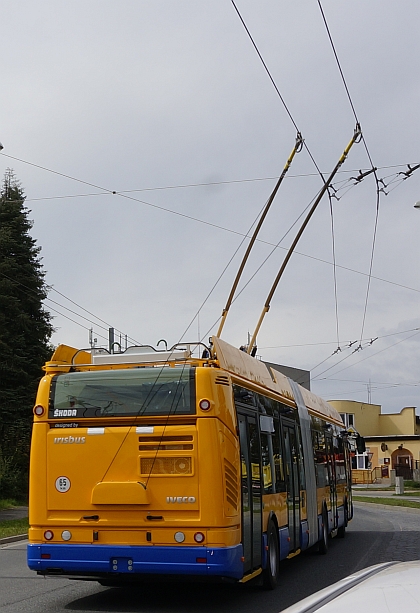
158	463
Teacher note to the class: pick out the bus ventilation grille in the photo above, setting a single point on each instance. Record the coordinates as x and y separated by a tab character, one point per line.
231	484
222	380
162	443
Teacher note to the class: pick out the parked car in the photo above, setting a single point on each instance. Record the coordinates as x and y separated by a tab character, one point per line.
392	586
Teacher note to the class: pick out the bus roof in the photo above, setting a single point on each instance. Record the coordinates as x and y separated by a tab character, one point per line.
242	364
227	357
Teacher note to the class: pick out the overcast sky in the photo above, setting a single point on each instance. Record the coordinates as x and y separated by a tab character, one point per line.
142	97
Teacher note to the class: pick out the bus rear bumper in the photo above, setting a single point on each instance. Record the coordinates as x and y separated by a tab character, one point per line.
100	560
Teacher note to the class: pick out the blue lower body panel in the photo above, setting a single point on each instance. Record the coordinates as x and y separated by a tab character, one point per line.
304	535
284	542
97	560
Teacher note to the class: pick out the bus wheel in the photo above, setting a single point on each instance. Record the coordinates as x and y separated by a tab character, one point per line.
323	543
341	531
271	572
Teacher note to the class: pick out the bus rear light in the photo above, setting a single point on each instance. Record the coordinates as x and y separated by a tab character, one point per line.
45	556
48	535
175	465
204	404
39	410
66	535
201	560
199	537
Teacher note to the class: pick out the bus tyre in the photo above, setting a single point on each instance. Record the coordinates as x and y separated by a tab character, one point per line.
271	571
323	543
341	532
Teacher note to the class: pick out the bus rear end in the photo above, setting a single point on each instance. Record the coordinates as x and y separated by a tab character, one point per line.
133	472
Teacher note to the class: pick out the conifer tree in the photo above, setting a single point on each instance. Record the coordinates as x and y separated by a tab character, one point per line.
25	330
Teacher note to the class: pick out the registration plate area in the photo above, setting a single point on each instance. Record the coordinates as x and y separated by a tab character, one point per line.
121	565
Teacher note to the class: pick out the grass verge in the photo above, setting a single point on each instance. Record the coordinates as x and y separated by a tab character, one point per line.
408	491
7	503
12	527
412	484
374	489
392	502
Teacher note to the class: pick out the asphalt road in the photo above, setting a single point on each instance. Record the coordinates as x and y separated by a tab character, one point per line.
375	535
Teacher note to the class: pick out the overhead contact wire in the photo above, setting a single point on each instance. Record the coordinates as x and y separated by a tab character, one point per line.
334	273
50	307
218	281
296	149
374	170
230	230
189	185
51	287
63	307
275	86
366	358
355	139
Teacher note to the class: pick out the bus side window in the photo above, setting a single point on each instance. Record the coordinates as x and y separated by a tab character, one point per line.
340	465
321	469
267	463
243	396
280	484
254	452
268	404
330	455
301	462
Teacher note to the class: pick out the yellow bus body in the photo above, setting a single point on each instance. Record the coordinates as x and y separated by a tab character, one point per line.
169	489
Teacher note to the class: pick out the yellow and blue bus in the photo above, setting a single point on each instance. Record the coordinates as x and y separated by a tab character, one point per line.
158	463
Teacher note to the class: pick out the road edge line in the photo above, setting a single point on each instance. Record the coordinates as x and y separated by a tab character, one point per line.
13	539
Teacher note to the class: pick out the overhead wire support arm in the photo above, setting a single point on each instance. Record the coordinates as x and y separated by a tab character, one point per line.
296	149
362	175
357	136
409	172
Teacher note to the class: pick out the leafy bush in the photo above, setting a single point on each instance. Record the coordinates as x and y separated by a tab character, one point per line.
13	480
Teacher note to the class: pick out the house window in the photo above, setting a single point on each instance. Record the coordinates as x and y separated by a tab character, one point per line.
360	461
348	419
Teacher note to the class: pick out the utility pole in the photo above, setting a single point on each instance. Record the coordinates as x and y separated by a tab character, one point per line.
111	339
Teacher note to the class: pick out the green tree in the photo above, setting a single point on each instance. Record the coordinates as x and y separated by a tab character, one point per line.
25	330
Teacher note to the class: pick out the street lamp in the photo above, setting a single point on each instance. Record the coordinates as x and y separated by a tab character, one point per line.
417	205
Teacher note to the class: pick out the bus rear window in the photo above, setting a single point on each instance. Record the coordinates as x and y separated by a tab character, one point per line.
123	392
